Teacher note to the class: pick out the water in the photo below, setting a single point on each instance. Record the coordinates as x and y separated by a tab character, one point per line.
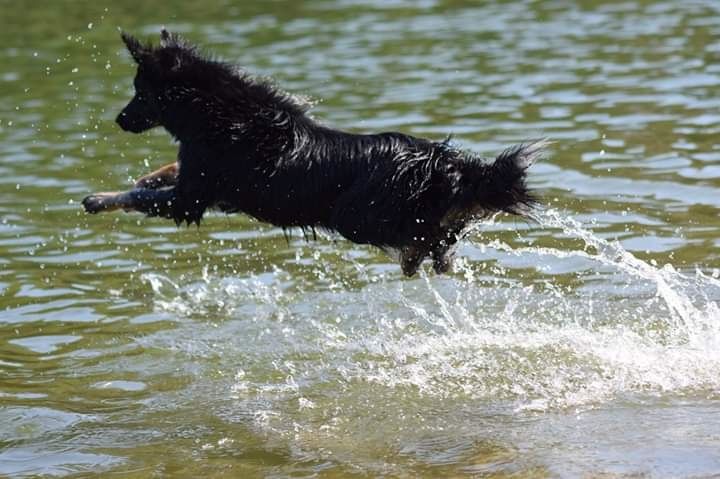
582	344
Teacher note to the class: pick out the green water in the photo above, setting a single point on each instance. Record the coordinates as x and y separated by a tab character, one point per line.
584	345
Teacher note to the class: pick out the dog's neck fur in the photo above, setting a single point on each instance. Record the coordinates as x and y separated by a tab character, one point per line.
225	115
220	96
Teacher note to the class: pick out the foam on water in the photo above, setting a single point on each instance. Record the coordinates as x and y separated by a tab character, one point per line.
532	346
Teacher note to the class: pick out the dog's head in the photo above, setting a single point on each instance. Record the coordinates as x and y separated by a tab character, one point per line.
157	68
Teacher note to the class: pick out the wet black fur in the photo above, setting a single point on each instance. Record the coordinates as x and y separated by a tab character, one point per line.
246	146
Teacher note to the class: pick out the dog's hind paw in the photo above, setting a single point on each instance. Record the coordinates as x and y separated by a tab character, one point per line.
410	259
443	264
99	202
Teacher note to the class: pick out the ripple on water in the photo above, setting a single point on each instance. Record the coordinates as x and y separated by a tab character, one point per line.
44	344
40	423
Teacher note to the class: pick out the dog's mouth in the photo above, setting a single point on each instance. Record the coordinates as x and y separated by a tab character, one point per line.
138	115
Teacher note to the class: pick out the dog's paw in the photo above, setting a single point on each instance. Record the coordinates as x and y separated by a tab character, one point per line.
443	264
148	182
98	202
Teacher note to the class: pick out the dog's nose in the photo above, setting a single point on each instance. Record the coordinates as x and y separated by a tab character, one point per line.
123	121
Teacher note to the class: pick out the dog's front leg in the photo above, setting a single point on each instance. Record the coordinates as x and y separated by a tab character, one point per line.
135	200
152	202
164	176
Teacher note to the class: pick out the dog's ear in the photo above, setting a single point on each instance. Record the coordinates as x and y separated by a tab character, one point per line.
138	52
173	51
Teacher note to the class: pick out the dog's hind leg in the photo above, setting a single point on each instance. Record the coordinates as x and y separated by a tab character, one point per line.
411	257
443	252
165	176
443	258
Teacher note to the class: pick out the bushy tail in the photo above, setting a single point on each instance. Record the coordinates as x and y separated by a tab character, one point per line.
503	187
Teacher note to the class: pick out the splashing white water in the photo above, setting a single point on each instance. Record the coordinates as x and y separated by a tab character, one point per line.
547	348
671	285
538	346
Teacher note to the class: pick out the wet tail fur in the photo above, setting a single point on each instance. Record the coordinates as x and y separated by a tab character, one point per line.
502	186
485	189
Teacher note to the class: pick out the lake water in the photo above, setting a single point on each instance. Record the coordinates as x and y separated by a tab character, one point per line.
586	344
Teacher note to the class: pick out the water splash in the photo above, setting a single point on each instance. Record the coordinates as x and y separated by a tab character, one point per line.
671	285
534	346
546	347
212	297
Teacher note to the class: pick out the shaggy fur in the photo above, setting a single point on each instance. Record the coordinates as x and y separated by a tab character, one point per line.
246	146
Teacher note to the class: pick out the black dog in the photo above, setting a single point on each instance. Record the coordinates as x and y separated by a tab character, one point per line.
247	146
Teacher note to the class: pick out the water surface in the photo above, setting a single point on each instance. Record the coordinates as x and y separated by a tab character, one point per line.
584	344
